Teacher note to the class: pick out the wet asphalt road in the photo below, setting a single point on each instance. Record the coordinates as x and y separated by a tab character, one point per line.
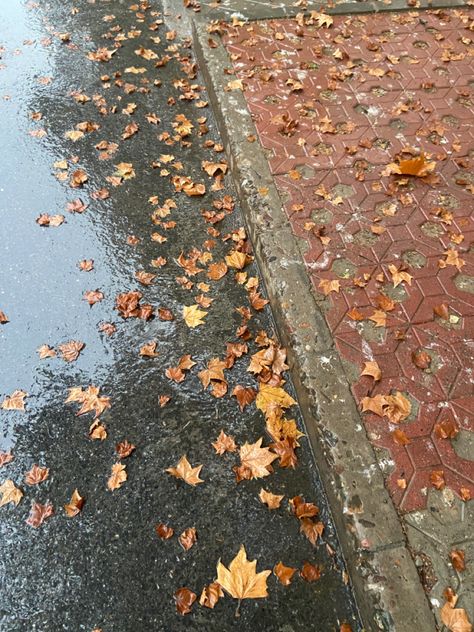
106	568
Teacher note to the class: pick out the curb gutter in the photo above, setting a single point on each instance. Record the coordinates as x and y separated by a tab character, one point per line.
386	583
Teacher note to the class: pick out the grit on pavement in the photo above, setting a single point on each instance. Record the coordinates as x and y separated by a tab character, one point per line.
111	227
339	104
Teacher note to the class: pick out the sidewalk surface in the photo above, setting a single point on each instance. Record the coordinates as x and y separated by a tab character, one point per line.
105	126
336	105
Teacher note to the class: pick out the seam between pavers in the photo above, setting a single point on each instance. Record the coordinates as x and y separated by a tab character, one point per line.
368	526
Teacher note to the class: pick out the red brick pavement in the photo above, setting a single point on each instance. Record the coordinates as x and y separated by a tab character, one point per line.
333	106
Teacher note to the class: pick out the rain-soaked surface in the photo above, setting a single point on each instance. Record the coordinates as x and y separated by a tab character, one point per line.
106	567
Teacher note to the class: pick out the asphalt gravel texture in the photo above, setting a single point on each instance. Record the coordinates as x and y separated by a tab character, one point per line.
106	568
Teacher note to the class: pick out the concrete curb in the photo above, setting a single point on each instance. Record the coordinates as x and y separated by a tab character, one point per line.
252	10
387	587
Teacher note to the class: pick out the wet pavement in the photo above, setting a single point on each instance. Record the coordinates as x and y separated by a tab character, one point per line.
338	107
106	567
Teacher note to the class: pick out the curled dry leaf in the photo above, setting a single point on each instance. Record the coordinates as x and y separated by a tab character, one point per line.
188	538
446	429
186	472
36	475
97	431
118	476
327	286
3	318
45	351
224	443
184	599
164	531
372	369
284	573
124	449
15	401
74	506
272	501
421	359
210	595
10	493
457	558
39	513
310	572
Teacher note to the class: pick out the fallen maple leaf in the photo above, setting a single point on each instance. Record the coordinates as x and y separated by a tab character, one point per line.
312	530
90	400
15	401
240	580
272	501
193	316
39	513
186	472
70	350
268	396
244	395
284	573
417	166
255	461
36	475
184	599
118	476
93	296
224	443
148	350
74	506
327	286
10	493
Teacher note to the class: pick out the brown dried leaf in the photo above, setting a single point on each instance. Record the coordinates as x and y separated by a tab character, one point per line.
284	573
184	599
118	476
188	538
36	475
74	506
272	501
224	443
164	531
210	595
39	513
15	401
186	472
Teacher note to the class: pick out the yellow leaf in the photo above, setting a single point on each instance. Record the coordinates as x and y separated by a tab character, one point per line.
268	396
241	580
193	316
